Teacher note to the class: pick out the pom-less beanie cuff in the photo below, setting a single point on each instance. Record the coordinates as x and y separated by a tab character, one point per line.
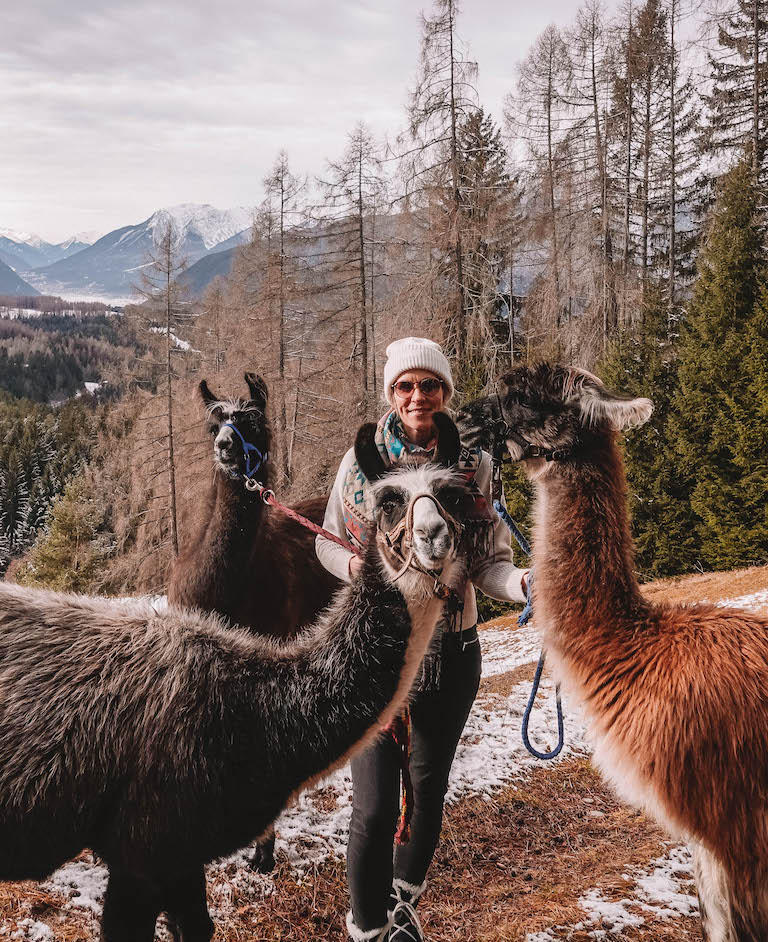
416	353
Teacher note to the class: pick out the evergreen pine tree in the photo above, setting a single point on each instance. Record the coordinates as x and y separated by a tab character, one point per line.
642	363
714	424
71	553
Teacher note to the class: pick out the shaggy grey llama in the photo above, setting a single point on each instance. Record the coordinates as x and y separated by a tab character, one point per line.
165	741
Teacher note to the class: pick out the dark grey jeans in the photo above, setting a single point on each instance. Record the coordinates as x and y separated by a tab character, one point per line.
438	717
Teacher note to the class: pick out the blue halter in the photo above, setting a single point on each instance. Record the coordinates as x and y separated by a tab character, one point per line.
261	457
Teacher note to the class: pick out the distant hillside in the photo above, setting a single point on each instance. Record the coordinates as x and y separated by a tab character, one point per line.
198	276
49	358
10	283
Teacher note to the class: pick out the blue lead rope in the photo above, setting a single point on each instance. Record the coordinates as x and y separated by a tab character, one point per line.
525	615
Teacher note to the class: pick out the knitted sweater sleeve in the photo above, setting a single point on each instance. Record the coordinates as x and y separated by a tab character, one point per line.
496	575
332	556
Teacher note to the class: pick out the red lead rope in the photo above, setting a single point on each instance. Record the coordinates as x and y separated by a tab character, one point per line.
268	497
400	730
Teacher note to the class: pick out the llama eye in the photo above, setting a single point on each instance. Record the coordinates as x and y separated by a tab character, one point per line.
451	498
388	507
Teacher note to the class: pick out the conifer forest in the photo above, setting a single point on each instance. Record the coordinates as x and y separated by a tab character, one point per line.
613	216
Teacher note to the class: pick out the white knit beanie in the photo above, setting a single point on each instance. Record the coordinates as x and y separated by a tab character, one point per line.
416	353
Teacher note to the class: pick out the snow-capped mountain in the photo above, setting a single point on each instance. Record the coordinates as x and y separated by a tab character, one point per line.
25	250
25	238
213	226
20	254
77	242
112	266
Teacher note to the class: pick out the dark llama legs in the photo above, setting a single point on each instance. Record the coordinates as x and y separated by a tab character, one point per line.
131	908
187	909
132	905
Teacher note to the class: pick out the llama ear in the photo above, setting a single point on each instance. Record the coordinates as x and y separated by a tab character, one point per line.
367	453
206	395
257	388
448	441
599	404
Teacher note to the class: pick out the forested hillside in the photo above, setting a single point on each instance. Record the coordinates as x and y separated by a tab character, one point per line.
50	358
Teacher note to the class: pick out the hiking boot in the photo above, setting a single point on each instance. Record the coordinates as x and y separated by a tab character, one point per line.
405	923
369	935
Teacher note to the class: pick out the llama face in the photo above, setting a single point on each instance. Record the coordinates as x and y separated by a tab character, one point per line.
435	498
548	406
233	422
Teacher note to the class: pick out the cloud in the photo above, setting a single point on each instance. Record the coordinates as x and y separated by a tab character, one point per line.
110	109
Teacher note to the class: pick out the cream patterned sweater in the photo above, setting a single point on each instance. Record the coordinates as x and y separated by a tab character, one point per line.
495	576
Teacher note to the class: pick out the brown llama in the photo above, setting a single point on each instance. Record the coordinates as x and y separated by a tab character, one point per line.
676	697
250	563
164	741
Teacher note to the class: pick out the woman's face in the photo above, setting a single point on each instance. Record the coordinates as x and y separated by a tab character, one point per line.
415	409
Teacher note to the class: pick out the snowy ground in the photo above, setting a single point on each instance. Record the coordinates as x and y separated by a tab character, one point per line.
490	755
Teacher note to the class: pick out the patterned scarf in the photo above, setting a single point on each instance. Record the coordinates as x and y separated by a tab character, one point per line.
394	446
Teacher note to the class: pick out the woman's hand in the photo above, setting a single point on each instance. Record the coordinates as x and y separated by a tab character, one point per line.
355	565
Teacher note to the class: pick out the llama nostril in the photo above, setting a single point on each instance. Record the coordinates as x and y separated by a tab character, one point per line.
428	532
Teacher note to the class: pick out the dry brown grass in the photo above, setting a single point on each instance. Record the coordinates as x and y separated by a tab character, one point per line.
505	867
710	586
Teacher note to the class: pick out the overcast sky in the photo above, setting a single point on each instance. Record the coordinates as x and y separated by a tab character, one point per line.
110	110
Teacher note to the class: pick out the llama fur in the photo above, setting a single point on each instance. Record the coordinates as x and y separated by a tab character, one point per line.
676	697
163	741
249	562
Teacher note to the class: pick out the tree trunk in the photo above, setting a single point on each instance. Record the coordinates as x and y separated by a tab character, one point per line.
460	294
169	380
628	131
672	166
363	316
551	182
756	155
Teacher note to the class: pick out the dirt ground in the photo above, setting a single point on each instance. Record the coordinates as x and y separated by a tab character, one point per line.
508	866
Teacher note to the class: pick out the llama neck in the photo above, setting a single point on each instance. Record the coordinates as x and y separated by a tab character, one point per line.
235	515
583	552
350	676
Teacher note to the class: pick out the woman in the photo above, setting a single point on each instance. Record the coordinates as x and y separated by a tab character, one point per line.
384	887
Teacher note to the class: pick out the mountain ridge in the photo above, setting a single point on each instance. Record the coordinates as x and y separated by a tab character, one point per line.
110	266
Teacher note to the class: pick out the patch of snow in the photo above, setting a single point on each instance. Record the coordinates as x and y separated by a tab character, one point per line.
181	344
92	387
82	884
506	649
612	916
32	931
664	891
754	602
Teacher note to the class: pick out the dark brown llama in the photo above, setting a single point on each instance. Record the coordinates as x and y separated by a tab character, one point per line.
675	696
164	741
250	563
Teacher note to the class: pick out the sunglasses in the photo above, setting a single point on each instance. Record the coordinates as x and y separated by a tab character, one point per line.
430	386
